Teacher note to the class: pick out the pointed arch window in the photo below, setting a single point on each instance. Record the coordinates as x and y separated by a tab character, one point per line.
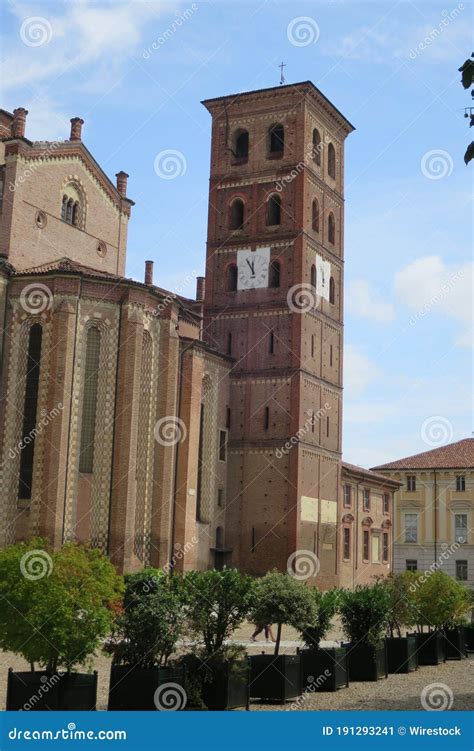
30	409
241	145
273	211
332	161
73	205
232	277
331	228
236	214
315	215
89	408
276	139
313	276
317	146
275	273
332	291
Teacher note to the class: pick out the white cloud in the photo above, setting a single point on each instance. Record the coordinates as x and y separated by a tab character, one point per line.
363	301
430	287
359	371
78	38
388	40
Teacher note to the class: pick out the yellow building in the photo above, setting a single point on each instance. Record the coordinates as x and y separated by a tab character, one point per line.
434	510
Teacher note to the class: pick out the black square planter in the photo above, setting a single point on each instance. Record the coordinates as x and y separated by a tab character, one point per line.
228	688
324	669
366	662
275	679
402	656
469	636
430	648
133	688
41	691
455	643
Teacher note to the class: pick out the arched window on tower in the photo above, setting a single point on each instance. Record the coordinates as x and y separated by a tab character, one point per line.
64	208
313	276
276	139
273	211
332	291
331	228
331	161
315	215
274	275
241	145
316	146
89	407
30	409
73	205
236	220
232	277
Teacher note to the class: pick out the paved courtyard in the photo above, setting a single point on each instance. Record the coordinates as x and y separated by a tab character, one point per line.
402	692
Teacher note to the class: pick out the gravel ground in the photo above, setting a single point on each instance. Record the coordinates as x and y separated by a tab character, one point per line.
402	692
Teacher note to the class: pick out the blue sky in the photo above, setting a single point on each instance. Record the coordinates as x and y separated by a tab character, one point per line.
137	71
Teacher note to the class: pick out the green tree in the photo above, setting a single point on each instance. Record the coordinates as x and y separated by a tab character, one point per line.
282	599
440	601
57	605
152	619
325	608
217	603
364	613
403	609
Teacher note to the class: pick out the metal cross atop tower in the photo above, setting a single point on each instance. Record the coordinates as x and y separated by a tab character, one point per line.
282	77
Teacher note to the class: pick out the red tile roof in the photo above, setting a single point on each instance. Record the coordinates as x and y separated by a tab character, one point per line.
459	455
368	474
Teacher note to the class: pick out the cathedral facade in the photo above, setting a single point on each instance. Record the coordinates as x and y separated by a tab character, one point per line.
167	431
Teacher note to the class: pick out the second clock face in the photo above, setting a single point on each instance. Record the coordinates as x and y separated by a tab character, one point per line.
252	268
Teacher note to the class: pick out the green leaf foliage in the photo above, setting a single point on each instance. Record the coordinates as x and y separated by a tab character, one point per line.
440	600
152	619
282	599
325	608
217	603
364	613
403	609
57	605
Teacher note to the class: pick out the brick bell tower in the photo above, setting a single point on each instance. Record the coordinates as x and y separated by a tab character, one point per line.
273	301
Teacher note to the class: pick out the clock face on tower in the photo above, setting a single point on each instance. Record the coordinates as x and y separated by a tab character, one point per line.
252	268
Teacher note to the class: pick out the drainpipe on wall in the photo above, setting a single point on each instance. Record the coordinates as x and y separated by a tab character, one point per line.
435	517
73	373
354	569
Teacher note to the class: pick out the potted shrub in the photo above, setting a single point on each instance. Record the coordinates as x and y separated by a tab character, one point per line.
281	599
146	635
440	604
216	604
402	656
57	607
364	615
322	669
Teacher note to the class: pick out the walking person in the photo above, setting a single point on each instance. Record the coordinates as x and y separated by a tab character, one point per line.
259	627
